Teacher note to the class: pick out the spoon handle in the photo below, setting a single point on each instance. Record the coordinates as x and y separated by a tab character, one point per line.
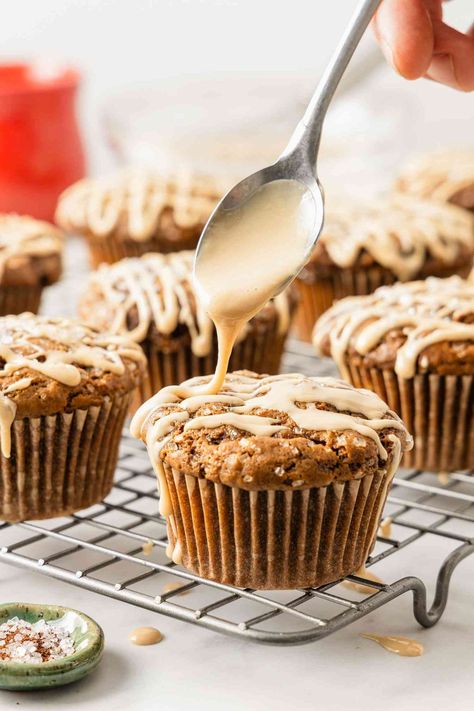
306	137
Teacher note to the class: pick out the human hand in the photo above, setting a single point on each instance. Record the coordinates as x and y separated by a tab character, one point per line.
416	42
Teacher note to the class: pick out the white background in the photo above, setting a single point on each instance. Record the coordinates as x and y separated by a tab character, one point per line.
124	43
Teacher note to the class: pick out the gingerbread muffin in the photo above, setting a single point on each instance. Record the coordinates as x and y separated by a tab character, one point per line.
447	176
413	344
275	482
30	259
136	212
366	246
64	392
153	301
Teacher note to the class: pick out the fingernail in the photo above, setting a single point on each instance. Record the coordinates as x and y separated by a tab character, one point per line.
441	70
387	51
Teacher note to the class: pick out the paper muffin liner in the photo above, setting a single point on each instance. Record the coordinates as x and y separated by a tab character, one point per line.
316	298
260	351
111	249
61	463
274	539
437	410
17	299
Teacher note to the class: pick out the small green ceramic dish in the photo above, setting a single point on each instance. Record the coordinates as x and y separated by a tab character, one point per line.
89	643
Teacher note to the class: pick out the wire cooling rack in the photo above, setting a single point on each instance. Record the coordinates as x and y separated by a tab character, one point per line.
117	548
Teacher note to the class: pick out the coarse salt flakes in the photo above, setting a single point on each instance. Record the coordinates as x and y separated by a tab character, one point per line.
21	641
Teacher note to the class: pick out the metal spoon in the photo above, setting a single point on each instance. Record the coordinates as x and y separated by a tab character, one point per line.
298	160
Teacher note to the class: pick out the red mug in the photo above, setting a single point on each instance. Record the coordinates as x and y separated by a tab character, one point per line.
41	151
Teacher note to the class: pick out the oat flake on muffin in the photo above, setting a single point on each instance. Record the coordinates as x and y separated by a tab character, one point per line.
276	481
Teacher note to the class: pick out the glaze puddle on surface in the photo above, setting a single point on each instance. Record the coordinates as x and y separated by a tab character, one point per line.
147	547
385	528
443	478
360	587
403	646
172	587
144	636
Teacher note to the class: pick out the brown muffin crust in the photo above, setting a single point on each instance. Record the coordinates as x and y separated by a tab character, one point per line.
290	459
109	305
408	237
434	304
137	207
35	393
30	251
321	266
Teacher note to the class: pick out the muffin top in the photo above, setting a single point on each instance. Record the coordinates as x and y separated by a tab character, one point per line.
136	204
271	432
30	251
51	365
417	327
446	175
400	233
154	297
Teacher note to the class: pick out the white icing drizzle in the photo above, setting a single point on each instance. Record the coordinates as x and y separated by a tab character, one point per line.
245	396
438	176
398	233
56	348
21	384
22	236
160	288
428	312
135	200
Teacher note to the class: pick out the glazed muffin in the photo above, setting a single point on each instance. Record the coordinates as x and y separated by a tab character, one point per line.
275	482
64	393
30	259
136	212
413	344
152	300
366	246
447	176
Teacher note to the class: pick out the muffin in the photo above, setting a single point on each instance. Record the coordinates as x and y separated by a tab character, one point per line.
274	483
136	212
447	176
363	247
30	259
153	301
413	344
64	393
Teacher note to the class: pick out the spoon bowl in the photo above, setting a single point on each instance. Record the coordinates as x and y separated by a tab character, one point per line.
236	198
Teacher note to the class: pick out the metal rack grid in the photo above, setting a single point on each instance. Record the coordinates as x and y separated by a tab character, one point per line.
102	550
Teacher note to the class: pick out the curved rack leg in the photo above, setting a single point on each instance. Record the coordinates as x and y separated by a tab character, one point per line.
429	617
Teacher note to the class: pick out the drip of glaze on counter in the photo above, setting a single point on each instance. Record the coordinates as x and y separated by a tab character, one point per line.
444	478
174	588
403	646
147	547
385	527
144	636
360	587
250	254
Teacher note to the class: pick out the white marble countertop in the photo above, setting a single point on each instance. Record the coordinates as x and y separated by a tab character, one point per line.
200	670
197	669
